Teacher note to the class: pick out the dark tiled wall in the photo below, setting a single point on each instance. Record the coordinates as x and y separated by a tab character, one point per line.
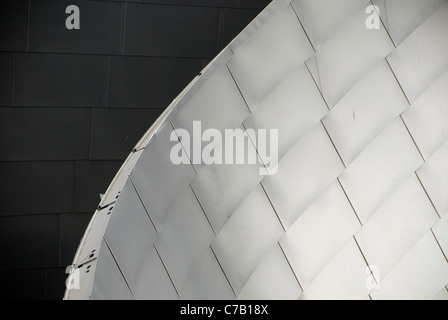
73	103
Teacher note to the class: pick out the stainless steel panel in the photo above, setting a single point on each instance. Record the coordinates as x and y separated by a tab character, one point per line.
421	58
272	280
295	98
327	224
270	55
397	226
427	118
185	236
443	295
413	278
348	56
383	166
221	188
308	168
402	17
104	288
206	281
247	238
344	277
365	111
434	176
130	233
153	282
218	104
157	180
321	19
440	230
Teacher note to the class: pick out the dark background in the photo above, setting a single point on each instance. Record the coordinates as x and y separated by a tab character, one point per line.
72	105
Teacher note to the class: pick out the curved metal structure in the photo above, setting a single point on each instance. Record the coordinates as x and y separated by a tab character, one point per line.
357	208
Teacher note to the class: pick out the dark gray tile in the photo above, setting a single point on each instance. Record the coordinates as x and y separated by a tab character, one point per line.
73	227
44	133
260	4
55	283
29	242
60	80
23	285
6	65
93	178
101	27
234	21
116	131
13	25
122	0
202	3
143	82
175	31
36	187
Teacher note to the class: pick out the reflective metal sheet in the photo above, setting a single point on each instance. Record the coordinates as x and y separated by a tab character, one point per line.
270	55
365	111
296	97
322	18
397	226
427	278
158	181
153	281
421	58
247	238
443	295
434	176
218	104
327	224
272	280
130	233
383	166
349	55
186	235
309	167
440	230
402	17
221	188
344	277
107	269
427	118
205	280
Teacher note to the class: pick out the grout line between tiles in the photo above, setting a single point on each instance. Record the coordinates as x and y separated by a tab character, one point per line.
317	85
438	243
118	266
202	208
290	266
303	28
348	199
332	142
427	194
166	270
272	205
143	204
225	275
365	260
413	140
382	22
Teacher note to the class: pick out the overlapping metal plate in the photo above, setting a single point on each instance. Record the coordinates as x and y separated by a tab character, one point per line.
358	207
